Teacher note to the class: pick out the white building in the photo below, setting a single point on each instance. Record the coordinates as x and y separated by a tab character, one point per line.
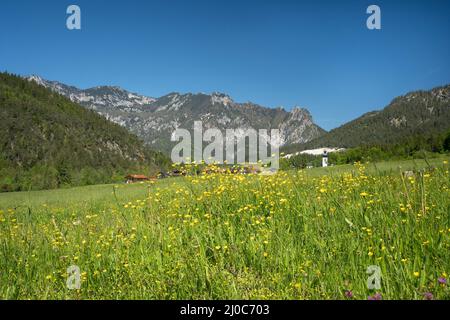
325	158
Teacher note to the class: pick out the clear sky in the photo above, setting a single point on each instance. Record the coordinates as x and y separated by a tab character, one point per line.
315	54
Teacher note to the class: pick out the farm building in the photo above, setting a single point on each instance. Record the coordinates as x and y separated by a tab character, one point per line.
136	178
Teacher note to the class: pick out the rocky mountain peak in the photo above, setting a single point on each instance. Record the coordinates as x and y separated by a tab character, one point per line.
221	98
36	79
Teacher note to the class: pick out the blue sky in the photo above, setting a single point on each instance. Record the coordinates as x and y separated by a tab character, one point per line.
315	54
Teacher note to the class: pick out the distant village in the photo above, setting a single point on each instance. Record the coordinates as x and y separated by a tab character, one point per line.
247	169
241	169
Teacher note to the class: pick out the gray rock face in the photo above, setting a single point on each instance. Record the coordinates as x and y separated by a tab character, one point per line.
155	119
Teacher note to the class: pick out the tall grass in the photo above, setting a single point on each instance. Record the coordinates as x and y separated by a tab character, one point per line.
293	235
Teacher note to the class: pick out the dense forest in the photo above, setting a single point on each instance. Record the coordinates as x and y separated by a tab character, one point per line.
47	141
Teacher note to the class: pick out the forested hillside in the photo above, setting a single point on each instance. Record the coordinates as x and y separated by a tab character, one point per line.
47	141
419	113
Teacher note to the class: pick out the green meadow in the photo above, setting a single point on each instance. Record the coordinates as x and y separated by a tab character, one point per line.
308	234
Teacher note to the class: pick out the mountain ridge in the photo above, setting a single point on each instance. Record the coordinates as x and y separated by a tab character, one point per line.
154	119
414	113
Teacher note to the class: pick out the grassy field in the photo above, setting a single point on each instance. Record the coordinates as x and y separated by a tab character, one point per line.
308	234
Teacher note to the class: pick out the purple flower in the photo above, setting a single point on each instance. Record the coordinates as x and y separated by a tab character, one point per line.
442	280
376	296
348	294
428	296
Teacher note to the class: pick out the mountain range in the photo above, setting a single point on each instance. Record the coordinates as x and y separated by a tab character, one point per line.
154	119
